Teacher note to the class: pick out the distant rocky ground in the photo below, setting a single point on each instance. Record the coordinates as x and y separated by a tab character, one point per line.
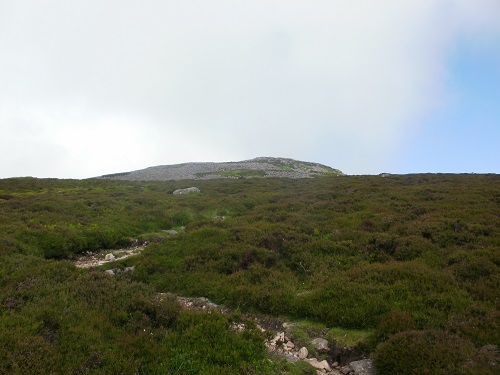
258	167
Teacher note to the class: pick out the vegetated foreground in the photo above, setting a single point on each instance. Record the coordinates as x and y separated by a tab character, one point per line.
407	264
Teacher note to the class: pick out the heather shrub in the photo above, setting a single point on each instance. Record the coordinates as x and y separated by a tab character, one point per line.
480	323
355	254
424	352
393	322
411	247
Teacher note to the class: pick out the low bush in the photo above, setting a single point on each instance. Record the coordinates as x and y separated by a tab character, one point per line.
425	352
393	322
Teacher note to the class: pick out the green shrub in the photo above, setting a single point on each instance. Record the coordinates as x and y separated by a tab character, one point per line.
158	312
412	247
480	323
424	352
212	343
393	322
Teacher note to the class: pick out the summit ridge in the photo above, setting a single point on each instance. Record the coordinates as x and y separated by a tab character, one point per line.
263	167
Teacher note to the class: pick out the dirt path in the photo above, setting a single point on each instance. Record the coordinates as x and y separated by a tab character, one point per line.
90	259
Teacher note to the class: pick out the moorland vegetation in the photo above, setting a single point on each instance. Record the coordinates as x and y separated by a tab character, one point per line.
411	262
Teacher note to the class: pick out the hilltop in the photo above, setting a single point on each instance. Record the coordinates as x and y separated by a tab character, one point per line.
258	167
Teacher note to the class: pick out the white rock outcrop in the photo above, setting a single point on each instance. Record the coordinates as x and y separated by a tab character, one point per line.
187	191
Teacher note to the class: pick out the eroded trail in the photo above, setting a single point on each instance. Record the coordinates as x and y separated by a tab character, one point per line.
282	342
334	360
91	259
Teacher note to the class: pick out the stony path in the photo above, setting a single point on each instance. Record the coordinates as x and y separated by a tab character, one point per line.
90	259
280	345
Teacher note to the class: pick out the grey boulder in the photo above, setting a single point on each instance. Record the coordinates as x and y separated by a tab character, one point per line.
187	190
363	367
320	344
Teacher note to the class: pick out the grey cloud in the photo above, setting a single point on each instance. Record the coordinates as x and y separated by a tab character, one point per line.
335	82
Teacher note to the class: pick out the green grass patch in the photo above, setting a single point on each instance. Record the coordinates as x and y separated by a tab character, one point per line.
349	337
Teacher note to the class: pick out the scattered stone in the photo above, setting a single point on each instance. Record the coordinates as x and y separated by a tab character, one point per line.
129	269
187	190
219	219
170	232
323	365
109	257
363	367
320	344
303	353
110	272
315	363
326	365
237	327
198	304
280	337
286	356
346	370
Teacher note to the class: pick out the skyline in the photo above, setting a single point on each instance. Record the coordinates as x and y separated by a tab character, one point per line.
90	88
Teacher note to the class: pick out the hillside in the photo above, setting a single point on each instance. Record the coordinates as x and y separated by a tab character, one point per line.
379	267
258	167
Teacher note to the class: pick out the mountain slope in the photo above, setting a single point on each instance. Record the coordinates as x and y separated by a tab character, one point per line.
258	167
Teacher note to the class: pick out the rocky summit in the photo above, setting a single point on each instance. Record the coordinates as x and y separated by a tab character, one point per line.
258	167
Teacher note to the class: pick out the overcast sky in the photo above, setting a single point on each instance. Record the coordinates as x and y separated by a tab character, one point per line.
94	87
